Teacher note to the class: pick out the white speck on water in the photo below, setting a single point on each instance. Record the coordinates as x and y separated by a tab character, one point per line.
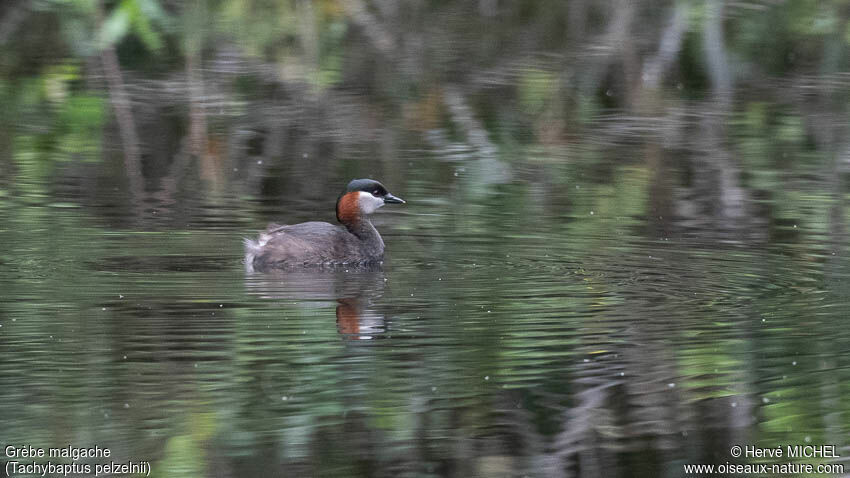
105	415
765	400
259	161
126	405
671	385
284	398
591	213
125	357
794	363
622	374
196	364
486	377
764	320
488	311
220	305
795	226
734	404
304	155
433	389
807	439
120	296
14	319
103	308
586	360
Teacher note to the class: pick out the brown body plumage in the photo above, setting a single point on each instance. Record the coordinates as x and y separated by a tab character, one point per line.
319	243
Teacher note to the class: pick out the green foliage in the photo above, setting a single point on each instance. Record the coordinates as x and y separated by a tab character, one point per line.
333	31
536	89
137	17
81	121
264	28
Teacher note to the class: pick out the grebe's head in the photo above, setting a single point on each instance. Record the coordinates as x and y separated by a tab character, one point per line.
362	197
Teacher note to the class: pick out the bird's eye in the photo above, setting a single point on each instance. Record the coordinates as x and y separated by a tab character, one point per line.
376	193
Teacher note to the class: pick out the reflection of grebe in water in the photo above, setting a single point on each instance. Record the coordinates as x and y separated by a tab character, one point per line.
356	321
320	243
353	292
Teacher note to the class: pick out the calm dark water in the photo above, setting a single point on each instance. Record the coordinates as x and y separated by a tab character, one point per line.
624	249
521	331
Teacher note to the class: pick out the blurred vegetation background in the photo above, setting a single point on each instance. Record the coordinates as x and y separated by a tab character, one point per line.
649	196
733	109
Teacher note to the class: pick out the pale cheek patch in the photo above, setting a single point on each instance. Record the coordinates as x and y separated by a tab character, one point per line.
368	203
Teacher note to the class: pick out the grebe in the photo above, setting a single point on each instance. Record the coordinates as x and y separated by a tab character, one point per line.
319	243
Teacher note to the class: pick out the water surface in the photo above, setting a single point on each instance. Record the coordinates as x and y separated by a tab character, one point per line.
624	248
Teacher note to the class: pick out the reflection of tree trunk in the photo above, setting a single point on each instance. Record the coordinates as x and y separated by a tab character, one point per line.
309	35
649	102
715	53
372	28
124	115
462	115
660	191
668	49
197	14
835	128
722	203
581	423
830	392
196	145
123	110
476	134
837	224
9	23
197	117
600	54
717	175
